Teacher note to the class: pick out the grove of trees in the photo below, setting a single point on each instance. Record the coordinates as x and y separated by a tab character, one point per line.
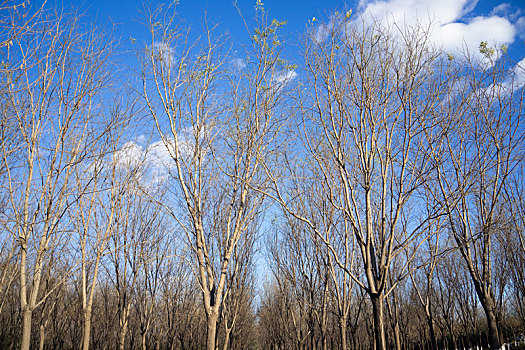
367	194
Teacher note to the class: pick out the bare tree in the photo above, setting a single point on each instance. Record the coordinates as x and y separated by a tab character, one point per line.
134	259
16	20
215	149
239	296
423	279
481	149
182	314
299	268
371	94
104	185
514	238
59	72
153	255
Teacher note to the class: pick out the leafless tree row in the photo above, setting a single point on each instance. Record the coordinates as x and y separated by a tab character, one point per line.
381	178
406	185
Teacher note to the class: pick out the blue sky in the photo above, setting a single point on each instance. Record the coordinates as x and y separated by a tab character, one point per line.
456	22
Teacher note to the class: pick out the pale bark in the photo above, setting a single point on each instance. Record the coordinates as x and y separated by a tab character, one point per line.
227	333
123	322
26	329
342	330
42	337
220	168
86	334
211	330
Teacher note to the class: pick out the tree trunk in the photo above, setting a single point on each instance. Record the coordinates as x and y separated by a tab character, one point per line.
143	340
430	321
494	341
397	335
211	334
227	332
87	329
342	328
42	335
123	331
26	328
393	314
487	301
379	329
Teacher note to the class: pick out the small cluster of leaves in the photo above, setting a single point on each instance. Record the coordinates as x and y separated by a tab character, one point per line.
261	35
286	65
348	14
486	50
259	5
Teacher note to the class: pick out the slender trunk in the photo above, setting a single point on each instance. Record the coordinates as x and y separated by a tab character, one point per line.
27	312
26	328
324	317
123	331
393	313
227	332
430	321
42	335
211	333
87	329
143	340
379	329
397	335
342	328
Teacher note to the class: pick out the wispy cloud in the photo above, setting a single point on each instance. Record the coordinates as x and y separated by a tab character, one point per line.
238	64
130	155
284	77
501	10
163	52
322	31
519	70
520	26
516	77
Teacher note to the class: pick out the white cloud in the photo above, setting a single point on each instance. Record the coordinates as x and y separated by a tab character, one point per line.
152	162
163	52
519	74
449	23
423	11
238	64
129	156
515	79
284	77
458	36
141	139
281	79
520	27
501	10
323	30
508	11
